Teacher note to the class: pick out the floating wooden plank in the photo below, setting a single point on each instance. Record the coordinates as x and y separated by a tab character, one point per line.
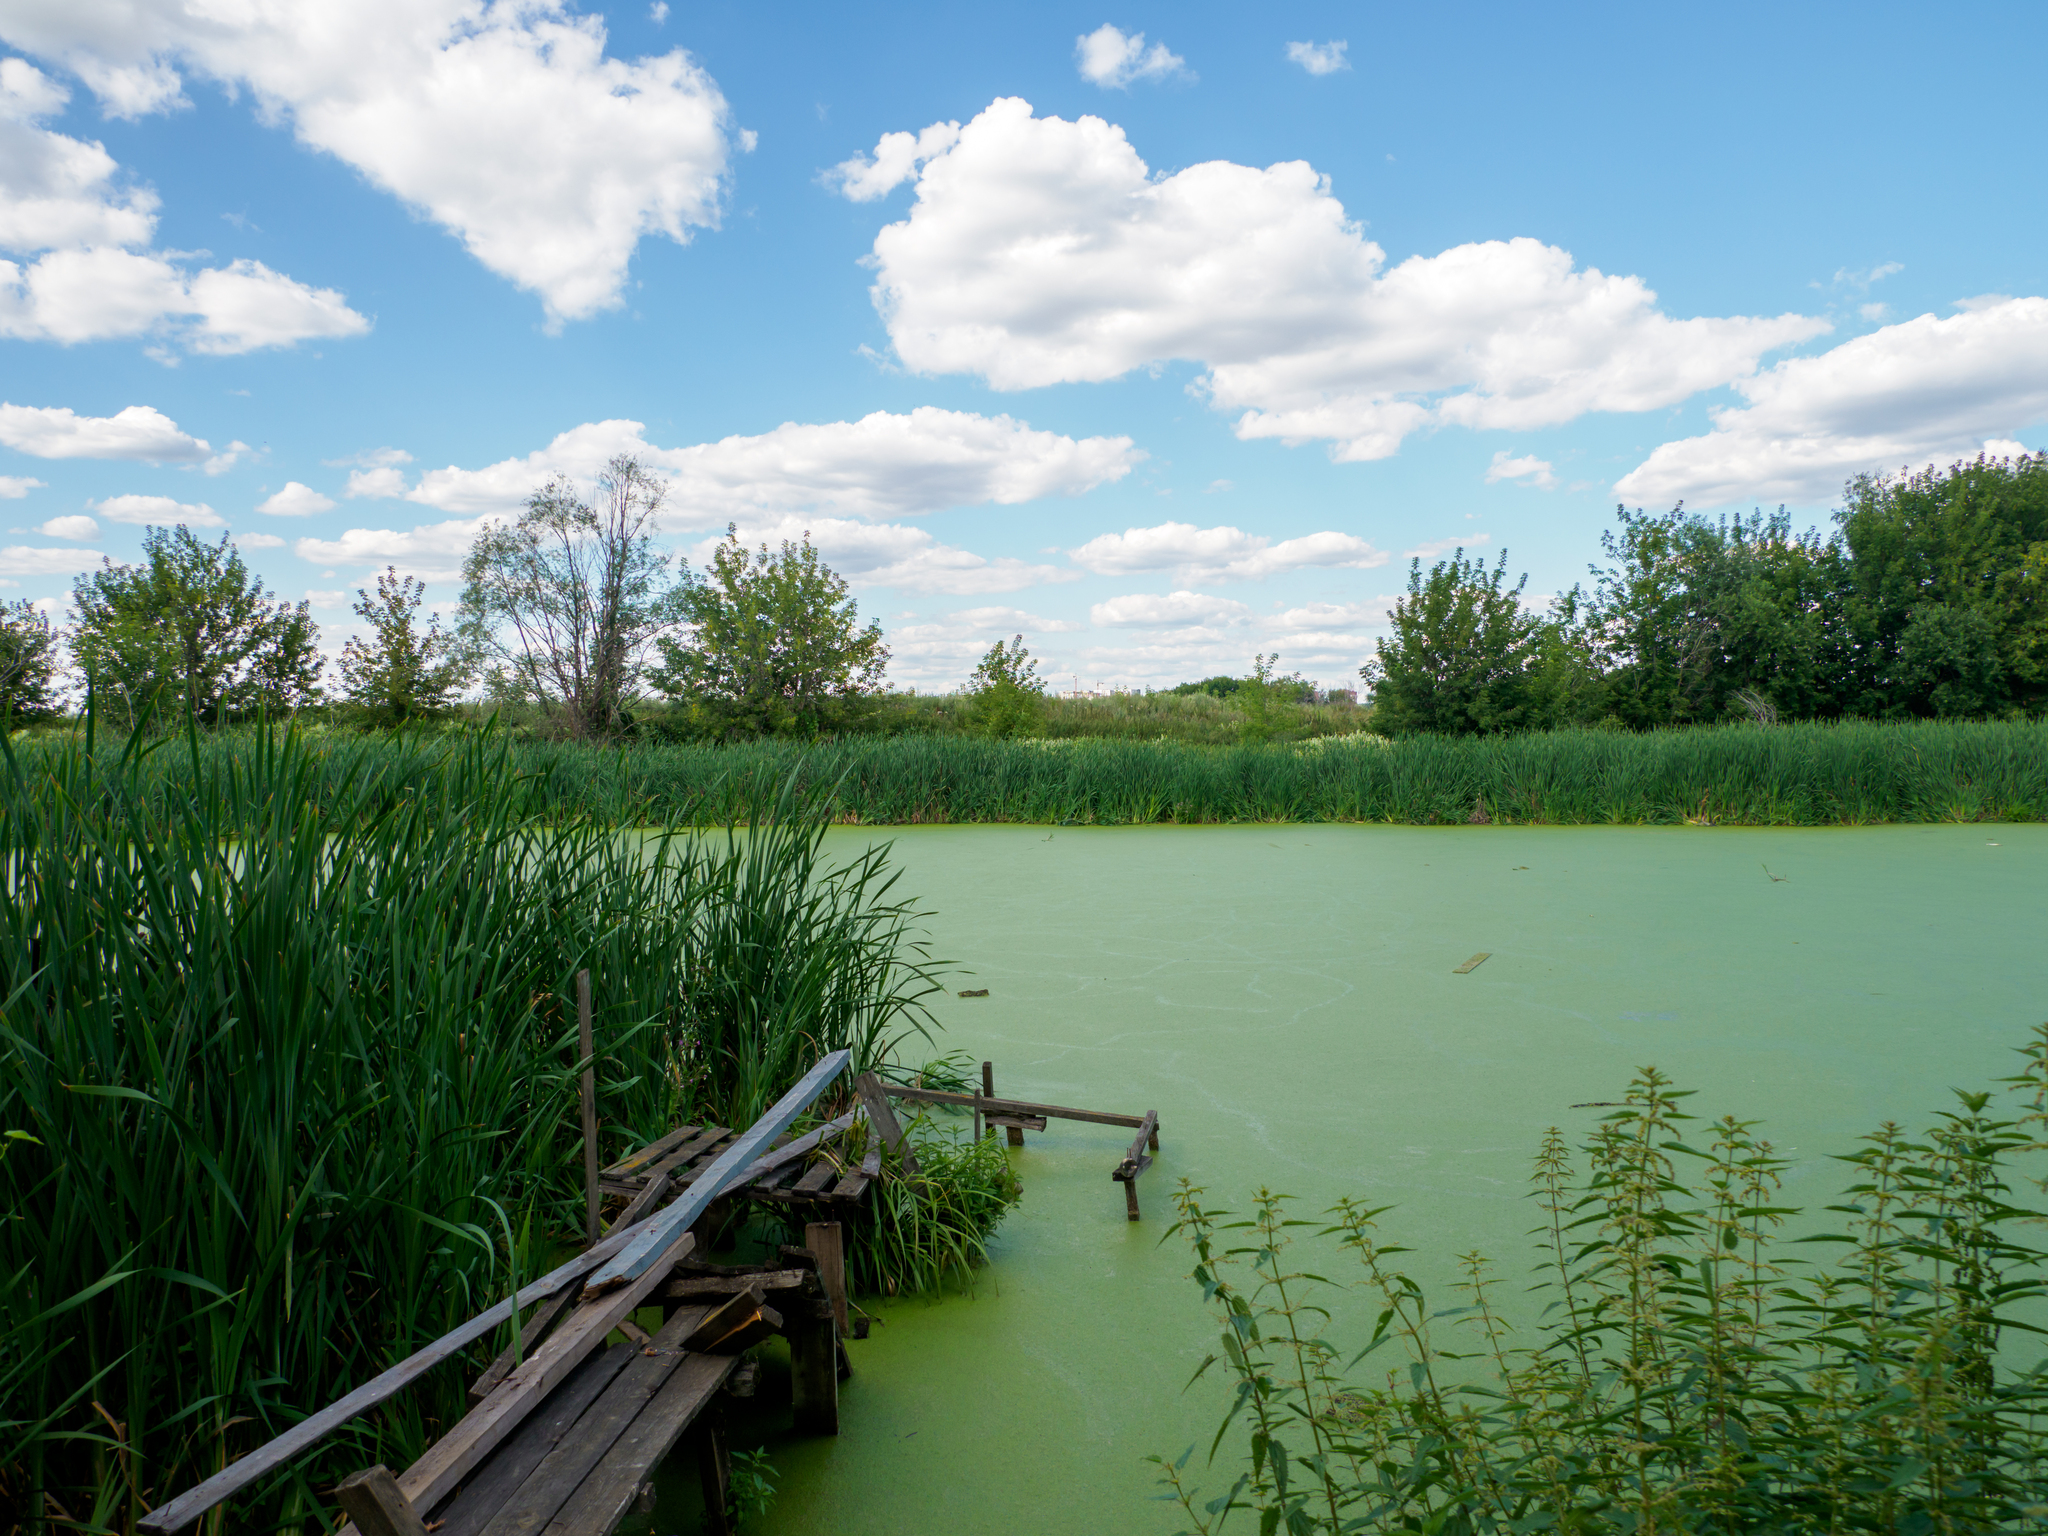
175	1514
657	1234
602	1498
470	1511
371	1499
1473	964
1009	1106
529	1338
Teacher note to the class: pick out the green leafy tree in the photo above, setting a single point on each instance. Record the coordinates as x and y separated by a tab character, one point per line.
567	601
188	632
399	672
28	665
1006	694
1461	653
773	644
1947	609
1264	698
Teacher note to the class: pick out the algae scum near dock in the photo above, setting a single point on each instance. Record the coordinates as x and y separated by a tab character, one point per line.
1285	997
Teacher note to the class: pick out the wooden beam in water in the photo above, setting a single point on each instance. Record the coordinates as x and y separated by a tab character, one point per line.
1009	1106
1473	964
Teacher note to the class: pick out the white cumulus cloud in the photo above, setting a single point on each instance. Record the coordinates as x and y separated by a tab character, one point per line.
259	541
1111	59
895	556
76	527
1336	616
1220	554
432	552
1154	610
295	500
139	432
1043	251
386	481
1433	549
27	560
1319	58
1528	467
883	465
1926	390
93	277
507	124
897	159
158	510
14	487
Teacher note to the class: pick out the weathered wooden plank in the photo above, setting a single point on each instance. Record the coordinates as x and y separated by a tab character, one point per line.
827	1240
451	1458
637	1163
799	1148
371	1499
1010	1106
714	1288
603	1497
649	1197
1016	1123
470	1511
816	1178
175	1514
562	1470
1473	964
677	1163
1135	1161
658	1232
724	1318
536	1328
765	1323
883	1119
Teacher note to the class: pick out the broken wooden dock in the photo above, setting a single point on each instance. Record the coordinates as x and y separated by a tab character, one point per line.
568	1425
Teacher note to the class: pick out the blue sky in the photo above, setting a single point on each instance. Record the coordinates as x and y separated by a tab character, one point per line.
1161	334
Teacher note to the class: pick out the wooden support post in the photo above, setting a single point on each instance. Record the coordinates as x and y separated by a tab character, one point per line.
371	1499
1130	1199
589	1054
714	1468
813	1368
826	1240
988	1091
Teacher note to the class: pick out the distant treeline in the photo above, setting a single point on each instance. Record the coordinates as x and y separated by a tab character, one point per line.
1929	599
1851	773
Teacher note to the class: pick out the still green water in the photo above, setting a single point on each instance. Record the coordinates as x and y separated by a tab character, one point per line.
1284	997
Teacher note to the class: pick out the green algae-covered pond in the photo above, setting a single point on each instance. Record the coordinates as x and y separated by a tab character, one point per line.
1284	997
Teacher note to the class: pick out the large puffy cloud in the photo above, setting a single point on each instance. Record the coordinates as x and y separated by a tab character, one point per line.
14	487
93	278
1042	251
1112	59
28	560
1220	554
295	500
432	552
884	465
894	556
1923	391
504	122
136	432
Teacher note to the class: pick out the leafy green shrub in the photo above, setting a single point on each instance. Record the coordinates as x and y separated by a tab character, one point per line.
1692	1371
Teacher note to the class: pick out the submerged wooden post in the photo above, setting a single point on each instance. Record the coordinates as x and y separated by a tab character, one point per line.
589	1054
371	1499
813	1366
988	1091
714	1467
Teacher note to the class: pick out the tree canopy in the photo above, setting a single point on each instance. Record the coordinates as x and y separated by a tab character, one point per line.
28	664
399	672
771	644
1006	694
188	633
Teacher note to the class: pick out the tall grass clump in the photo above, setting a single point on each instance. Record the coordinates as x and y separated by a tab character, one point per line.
1702	1362
289	1033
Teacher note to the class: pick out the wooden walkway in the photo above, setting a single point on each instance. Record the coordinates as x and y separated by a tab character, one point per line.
566	1429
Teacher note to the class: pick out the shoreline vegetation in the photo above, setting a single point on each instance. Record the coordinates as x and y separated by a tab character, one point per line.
288	1080
1804	774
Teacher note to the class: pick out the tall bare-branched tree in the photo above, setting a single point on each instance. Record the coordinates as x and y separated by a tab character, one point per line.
569	598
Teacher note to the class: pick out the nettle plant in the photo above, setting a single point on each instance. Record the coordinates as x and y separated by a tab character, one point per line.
1703	1364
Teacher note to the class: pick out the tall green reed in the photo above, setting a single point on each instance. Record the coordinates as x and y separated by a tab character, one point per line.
290	1029
1693	1372
1795	775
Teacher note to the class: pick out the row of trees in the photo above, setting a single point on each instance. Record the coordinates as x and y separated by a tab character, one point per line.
571	609
1929	598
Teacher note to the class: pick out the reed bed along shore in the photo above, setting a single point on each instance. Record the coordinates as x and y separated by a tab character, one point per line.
288	1075
1792	775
